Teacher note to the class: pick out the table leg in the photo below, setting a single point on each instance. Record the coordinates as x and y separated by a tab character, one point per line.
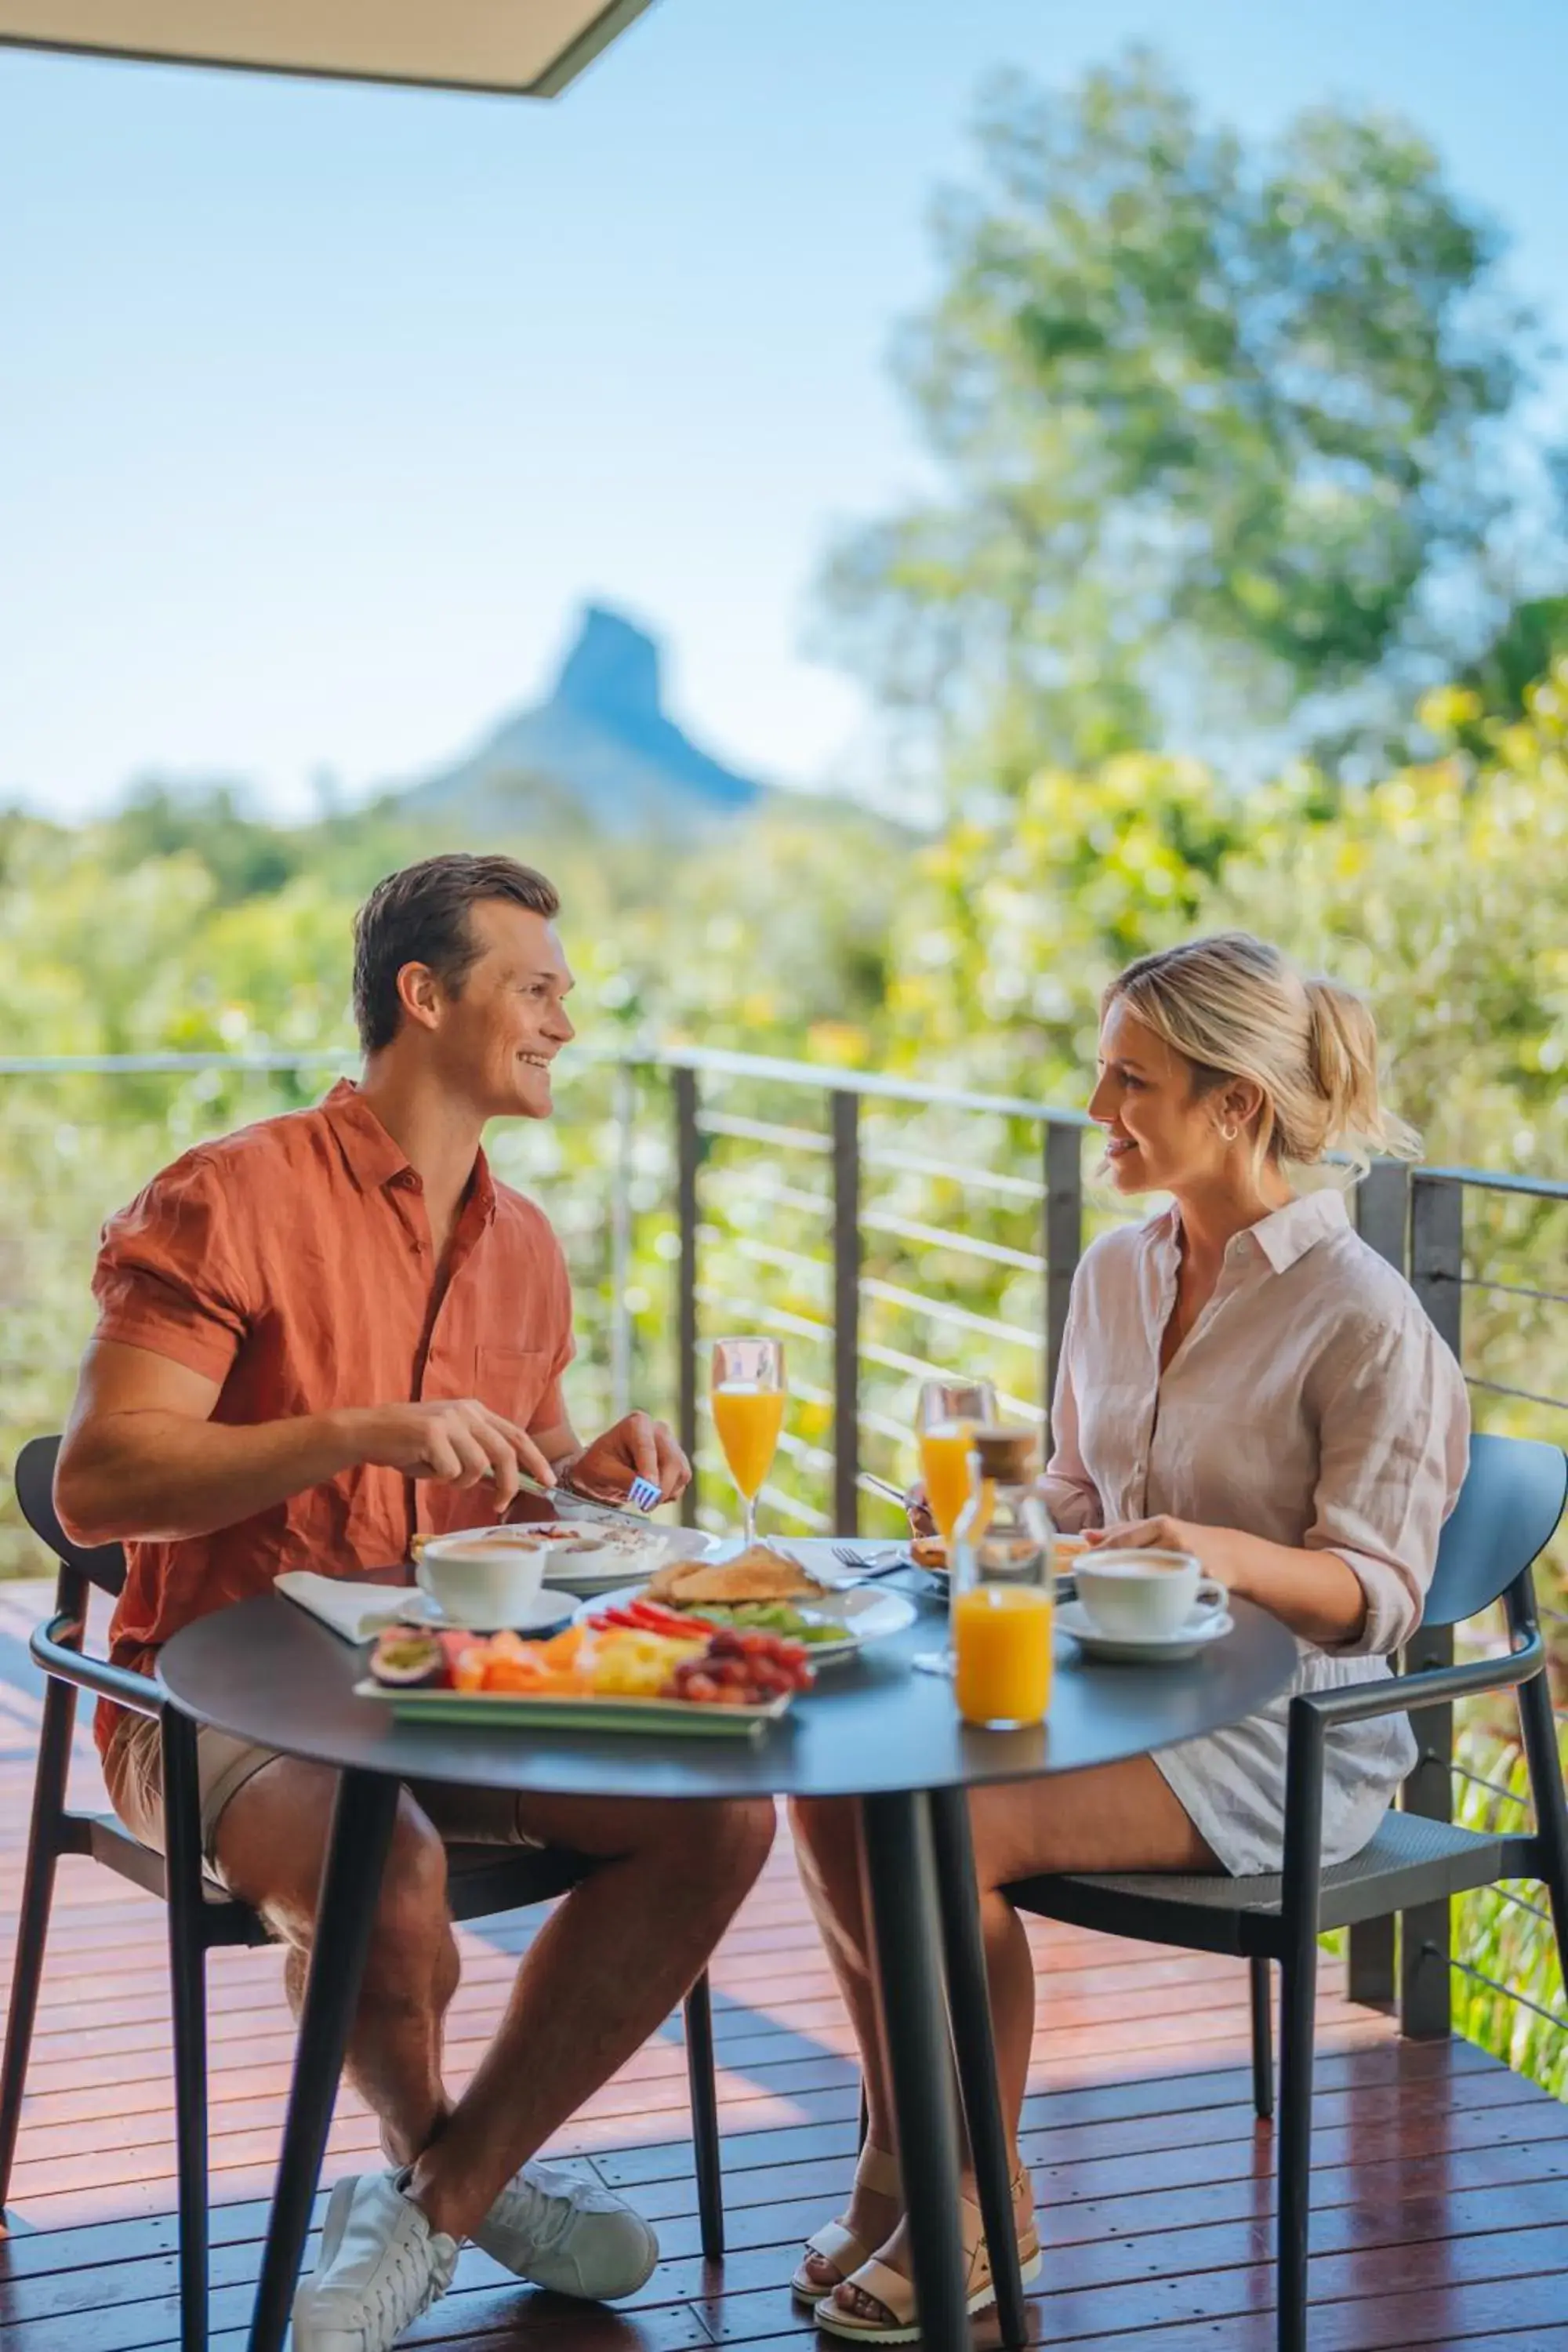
969	2008
351	1880
900	1880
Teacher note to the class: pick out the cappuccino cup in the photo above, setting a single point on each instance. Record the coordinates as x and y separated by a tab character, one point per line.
1138	1596
481	1582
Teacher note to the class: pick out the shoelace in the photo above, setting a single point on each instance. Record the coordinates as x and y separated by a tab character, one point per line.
397	2280
549	2215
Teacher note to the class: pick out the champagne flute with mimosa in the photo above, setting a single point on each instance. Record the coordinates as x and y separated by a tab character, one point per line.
946	1418
748	1402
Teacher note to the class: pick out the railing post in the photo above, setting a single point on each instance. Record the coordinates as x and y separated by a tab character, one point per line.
625	1118
846	1313
1062	1243
686	1149
1436	1259
1383	1221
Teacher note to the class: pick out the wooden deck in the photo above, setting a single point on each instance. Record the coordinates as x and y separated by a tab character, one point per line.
1440	2180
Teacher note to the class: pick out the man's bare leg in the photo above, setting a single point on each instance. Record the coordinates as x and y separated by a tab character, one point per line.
603	1974
270	1843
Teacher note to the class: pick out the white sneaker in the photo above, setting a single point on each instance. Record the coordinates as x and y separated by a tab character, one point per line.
381	2264
565	2233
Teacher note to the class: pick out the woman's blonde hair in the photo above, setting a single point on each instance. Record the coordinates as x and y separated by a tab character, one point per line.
1235	1007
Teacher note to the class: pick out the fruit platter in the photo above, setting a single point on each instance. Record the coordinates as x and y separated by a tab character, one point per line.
638	1667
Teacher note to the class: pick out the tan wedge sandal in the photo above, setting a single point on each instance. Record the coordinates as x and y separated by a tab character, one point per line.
896	2294
877	2171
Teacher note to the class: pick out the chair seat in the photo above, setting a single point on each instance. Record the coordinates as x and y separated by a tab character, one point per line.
1409	1861
480	1879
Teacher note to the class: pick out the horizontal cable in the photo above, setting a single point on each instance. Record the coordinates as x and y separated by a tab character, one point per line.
784	1196
939	1311
772	1318
915	1163
135	1065
1514	1289
759	1130
1507	1991
881	1221
1479	1781
768	1254
1504	1894
893	1360
1525	1396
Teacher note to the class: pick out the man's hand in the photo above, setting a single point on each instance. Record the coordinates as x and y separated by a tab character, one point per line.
456	1443
636	1447
917	1503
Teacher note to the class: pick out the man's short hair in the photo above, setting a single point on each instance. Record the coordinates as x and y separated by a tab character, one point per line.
421	916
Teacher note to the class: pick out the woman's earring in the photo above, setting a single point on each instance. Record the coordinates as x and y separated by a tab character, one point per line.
1229	1134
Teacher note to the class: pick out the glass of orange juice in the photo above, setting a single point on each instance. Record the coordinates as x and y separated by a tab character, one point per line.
748	1399
946	1418
1003	1590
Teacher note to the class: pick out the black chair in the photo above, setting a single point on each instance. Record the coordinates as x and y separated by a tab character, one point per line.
1511	1501
482	1880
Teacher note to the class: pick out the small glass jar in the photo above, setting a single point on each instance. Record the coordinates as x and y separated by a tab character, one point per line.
1002	1586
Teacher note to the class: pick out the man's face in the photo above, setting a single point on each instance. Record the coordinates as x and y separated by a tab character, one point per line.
496	1038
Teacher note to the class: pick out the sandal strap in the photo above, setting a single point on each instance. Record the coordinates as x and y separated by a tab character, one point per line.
833	2244
877	2170
889	2287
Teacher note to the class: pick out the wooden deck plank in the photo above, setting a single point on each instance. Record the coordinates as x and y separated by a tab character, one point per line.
1440	2181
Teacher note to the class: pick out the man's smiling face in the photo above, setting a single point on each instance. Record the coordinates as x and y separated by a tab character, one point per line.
502	1027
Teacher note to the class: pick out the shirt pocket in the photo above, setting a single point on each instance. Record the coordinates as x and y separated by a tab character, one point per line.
513	1382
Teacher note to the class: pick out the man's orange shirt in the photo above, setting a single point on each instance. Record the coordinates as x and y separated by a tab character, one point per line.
291	1263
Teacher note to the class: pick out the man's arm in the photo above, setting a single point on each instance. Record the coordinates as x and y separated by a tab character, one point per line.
143	1457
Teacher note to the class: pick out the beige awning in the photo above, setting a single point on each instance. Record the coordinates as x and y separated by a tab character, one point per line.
531	48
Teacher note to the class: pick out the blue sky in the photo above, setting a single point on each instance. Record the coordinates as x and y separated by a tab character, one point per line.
321	408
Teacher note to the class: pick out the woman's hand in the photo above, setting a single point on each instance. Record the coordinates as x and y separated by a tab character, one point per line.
921	1520
1208	1545
1316	1593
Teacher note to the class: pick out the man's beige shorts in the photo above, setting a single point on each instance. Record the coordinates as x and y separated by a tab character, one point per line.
134	1774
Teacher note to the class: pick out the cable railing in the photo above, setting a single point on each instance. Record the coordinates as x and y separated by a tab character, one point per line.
888	1230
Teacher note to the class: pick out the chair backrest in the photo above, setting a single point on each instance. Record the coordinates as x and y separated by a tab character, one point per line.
101	1564
1508	1506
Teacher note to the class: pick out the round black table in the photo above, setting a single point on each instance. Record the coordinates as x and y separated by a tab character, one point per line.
267	1672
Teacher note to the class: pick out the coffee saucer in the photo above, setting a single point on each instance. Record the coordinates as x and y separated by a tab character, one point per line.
1205	1625
546	1613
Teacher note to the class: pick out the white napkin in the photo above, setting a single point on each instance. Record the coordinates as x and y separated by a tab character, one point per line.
357	1611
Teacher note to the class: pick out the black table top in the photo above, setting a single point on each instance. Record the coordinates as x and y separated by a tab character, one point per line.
265	1671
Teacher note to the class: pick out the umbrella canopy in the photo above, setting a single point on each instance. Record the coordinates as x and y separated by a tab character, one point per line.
528	47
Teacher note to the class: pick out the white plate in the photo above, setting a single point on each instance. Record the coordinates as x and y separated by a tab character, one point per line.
612	1560
871	1614
545	1614
1206	1625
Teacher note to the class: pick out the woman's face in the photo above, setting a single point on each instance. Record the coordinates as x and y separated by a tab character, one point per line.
1160	1137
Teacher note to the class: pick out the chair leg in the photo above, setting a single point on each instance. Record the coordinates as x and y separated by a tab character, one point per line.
705	2117
187	1992
1299	1986
33	1924
1262	2040
1550	1801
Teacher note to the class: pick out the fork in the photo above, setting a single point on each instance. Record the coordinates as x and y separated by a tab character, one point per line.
847	1556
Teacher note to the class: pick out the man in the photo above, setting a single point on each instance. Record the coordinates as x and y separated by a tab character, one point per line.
315	1337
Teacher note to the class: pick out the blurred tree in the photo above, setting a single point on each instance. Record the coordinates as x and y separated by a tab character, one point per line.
1219	428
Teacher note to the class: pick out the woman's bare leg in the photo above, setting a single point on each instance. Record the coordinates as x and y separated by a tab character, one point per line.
1120	1817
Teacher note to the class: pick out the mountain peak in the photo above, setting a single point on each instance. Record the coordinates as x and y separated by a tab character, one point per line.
602	745
612	669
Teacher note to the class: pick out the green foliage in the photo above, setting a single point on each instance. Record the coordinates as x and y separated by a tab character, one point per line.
1212	420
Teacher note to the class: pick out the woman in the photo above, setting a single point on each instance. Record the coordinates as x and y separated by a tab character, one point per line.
1241	1378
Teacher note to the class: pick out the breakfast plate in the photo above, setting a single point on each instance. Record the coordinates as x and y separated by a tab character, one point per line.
586	1556
1206	1625
867	1612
